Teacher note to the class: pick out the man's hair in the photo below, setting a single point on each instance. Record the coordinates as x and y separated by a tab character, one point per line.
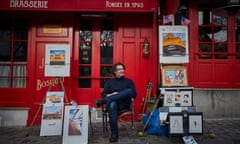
114	67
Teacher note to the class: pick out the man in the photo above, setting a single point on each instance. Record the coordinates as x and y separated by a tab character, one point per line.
117	95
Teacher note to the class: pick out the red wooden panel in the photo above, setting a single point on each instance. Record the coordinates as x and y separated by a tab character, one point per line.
236	71
223	73
205	73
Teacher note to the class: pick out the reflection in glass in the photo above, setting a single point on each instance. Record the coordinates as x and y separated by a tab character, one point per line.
106	53
20	51
85	71
106	71
221	35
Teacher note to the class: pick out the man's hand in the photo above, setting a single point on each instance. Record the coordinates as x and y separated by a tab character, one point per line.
112	94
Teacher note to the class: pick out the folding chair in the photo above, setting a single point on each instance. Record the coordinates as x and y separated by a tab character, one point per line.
124	116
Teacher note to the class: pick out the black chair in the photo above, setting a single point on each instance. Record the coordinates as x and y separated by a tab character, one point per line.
124	116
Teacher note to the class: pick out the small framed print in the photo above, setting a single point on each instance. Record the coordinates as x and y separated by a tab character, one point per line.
175	123
186	98
174	75
195	125
169	98
53	97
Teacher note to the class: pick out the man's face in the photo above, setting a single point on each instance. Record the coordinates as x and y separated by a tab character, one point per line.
119	71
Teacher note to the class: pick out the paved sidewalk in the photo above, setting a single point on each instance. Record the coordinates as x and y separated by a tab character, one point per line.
226	131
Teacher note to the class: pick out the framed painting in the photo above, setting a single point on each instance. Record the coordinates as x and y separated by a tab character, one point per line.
186	98
169	98
52	119
173	44
75	124
174	75
176	123
54	97
195	123
57	60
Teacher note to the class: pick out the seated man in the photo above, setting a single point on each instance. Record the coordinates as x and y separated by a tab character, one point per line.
117	95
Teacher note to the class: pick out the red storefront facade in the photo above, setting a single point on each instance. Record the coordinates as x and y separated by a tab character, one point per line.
100	33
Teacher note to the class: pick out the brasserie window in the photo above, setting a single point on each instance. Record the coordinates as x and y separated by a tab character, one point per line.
13	53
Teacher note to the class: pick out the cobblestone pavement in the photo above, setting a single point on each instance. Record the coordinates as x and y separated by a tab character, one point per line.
226	131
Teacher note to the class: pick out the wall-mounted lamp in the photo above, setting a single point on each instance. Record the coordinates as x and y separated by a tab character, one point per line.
145	47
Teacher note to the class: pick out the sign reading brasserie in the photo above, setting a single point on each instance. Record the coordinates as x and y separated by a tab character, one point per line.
77	5
28	4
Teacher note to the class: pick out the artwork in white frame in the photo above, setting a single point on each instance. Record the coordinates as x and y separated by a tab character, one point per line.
186	98
169	98
57	60
195	124
52	119
176	124
54	97
75	125
173	44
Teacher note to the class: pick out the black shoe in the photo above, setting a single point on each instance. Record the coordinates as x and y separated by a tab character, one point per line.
113	138
98	103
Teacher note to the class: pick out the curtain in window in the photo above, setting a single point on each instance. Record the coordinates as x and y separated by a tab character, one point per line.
4	72
18	73
19	70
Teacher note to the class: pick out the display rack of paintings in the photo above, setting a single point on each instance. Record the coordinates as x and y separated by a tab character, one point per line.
52	114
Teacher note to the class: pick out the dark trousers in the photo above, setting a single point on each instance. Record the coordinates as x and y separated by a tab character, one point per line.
116	103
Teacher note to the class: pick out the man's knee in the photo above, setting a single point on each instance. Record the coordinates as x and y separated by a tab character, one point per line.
112	105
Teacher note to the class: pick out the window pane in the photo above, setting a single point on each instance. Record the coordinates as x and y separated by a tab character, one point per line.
85	53
20	30
106	53
107	42
20	51
85	71
204	17
220	34
106	71
5	51
4	72
5	29
84	83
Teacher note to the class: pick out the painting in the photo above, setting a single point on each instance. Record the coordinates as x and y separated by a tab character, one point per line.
76	124
174	75
54	97
52	119
57	60
175	123
195	123
186	98
173	44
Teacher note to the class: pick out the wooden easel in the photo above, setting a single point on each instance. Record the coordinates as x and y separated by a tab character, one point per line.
43	100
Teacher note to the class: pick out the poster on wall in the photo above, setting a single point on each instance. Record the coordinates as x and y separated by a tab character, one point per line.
75	125
57	60
173	44
54	97
52	119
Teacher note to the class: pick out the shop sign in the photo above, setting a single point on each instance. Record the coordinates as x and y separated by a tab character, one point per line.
77	5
